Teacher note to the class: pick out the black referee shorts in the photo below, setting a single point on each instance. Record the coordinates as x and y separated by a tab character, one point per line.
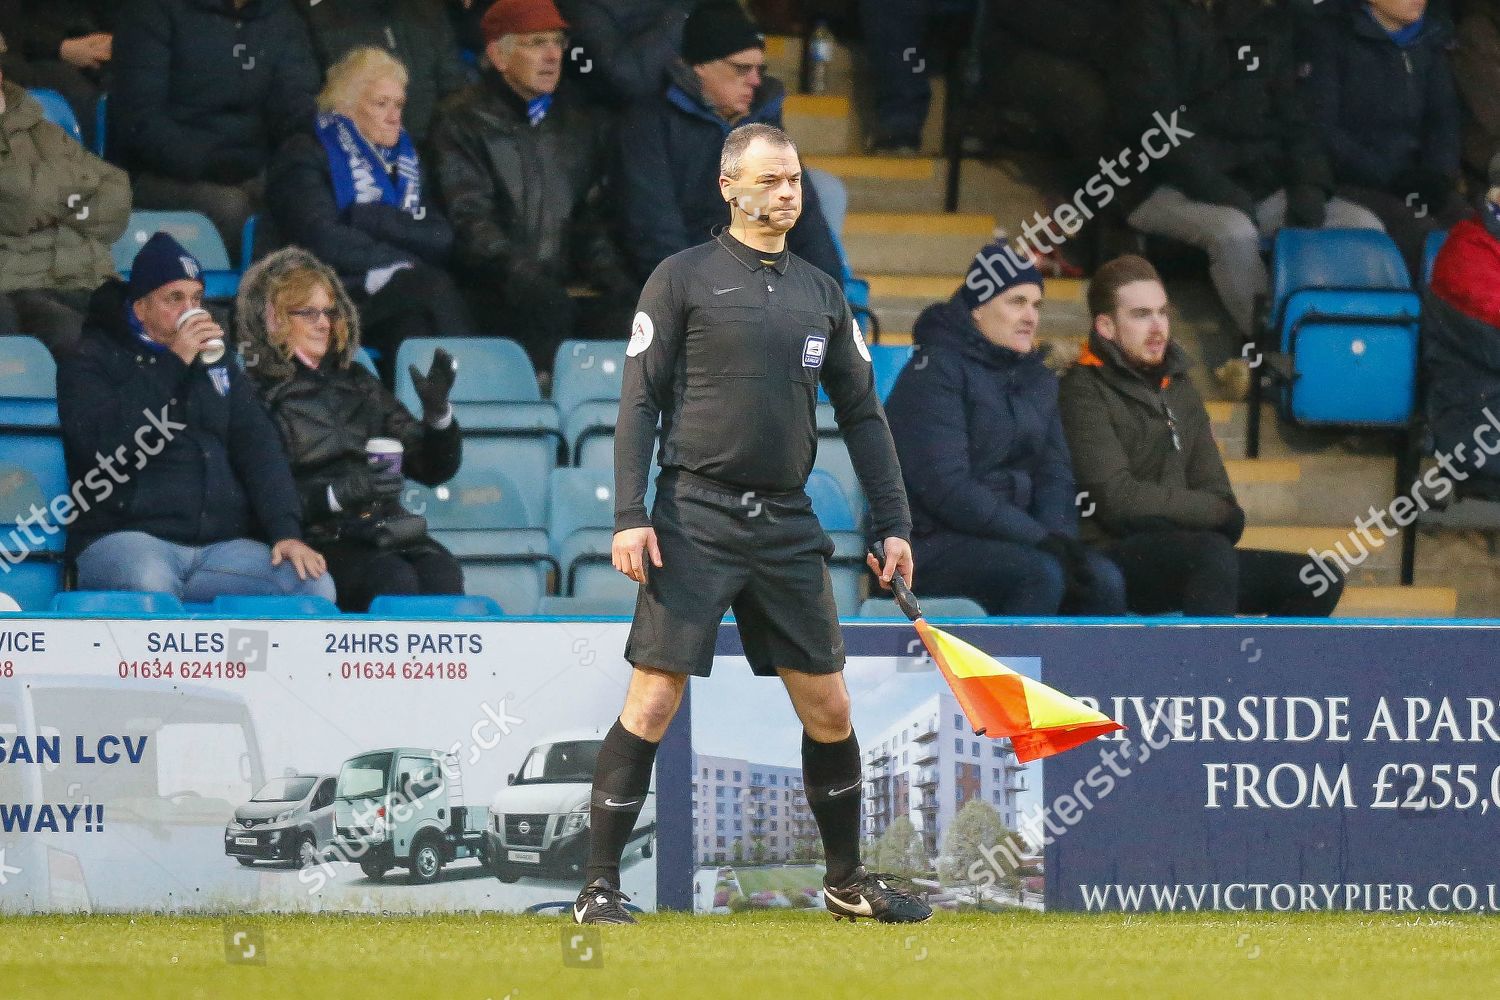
764	557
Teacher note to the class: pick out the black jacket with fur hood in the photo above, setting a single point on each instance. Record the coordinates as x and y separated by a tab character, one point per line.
325	415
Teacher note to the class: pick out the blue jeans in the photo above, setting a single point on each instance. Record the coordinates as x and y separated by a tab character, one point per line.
196	574
1012	579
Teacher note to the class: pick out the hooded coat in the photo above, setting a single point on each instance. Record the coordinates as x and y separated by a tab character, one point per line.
326	415
1142	446
1461	342
218	471
979	435
669	176
61	207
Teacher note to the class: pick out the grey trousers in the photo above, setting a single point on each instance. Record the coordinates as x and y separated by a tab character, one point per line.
1232	240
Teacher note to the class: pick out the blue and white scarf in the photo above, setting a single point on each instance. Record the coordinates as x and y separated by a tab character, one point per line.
361	171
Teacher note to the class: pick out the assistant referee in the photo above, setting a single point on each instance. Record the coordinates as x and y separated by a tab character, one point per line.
727	350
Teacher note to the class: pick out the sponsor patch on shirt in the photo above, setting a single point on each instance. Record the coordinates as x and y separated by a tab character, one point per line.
641	332
812	350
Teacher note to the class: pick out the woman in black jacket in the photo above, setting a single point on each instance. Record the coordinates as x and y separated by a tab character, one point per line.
299	335
353	192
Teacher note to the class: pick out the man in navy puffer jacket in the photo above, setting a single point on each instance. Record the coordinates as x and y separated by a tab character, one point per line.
975	420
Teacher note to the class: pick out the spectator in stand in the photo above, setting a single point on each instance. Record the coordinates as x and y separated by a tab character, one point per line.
1380	90
895	33
356	195
521	168
631	45
1216	81
415	32
301	334
205	91
669	146
1476	71
64	45
1461	341
1146	461
197	474
60	210
975	420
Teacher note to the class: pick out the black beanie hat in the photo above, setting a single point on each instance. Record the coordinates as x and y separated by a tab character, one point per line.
718	28
161	261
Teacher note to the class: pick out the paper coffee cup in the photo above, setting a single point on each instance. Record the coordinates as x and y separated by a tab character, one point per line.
384	453
213	350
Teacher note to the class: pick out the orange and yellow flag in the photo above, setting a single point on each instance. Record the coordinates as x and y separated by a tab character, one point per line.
1001	703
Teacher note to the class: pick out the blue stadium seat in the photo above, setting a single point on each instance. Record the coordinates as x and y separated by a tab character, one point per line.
366	359
581	525
196	234
888	360
1343	310
833	458
1430	250
495	391
32	474
275	606
434	606
101	125
57	110
586	381
107	603
489	526
587	607
932	607
33	584
847	567
28	384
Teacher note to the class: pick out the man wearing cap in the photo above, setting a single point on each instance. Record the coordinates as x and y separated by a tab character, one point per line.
194	468
669	145
727	351
521	168
975	419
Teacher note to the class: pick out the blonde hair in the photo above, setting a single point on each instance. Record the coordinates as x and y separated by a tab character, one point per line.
352	75
293	290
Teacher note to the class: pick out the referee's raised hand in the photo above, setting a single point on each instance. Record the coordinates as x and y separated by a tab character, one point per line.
628	552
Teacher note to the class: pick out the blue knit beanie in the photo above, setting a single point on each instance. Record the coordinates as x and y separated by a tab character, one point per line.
996	268
161	261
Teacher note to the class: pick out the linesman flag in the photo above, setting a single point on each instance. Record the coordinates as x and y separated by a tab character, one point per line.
998	702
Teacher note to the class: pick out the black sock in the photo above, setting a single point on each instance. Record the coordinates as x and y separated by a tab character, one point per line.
833	780
622	778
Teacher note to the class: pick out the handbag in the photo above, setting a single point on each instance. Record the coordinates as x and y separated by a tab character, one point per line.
387	533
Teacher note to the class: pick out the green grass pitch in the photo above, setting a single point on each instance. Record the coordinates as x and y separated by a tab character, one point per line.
783	954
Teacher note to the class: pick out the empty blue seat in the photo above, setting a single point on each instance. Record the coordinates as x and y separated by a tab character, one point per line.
587	607
33	475
833	458
581	525
932	607
275	606
586	379
197	236
106	603
33	584
434	606
495	389
57	110
888	360
366	359
28	383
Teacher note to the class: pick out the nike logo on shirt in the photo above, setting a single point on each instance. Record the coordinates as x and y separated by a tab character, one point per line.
621	805
726	291
841	791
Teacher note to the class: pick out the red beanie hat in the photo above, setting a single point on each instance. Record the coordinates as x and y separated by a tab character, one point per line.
520	17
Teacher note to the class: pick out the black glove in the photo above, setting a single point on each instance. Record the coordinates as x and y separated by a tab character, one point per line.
433	389
367	488
1233	525
1306	206
1072	555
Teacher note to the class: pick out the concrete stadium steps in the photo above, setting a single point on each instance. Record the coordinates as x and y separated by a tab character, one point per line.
822	124
784	61
899	298
1397	602
918	243
883	183
1379	567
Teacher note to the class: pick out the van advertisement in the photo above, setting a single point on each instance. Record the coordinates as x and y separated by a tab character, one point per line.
200	765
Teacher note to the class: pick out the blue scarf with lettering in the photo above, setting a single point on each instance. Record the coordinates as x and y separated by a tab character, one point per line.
361	171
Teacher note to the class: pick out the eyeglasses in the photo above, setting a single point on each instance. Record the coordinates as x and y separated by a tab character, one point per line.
332	314
744	69
542	41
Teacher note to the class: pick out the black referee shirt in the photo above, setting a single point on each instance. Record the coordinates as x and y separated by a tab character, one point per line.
728	351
